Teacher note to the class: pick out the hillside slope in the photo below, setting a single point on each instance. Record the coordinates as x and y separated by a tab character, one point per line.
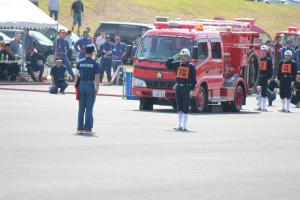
271	17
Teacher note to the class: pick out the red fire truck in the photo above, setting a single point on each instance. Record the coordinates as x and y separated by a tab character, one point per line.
219	53
292	34
245	24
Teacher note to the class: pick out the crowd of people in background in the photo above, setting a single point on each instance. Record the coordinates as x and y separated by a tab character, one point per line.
20	47
111	51
279	70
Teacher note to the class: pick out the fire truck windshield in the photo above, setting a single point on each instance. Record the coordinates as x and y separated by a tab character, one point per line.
160	48
289	37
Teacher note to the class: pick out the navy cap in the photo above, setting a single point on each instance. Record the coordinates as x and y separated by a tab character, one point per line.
90	48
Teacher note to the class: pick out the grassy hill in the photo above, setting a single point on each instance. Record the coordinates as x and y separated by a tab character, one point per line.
271	17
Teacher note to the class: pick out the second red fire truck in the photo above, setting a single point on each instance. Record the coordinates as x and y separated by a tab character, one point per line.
292	34
221	54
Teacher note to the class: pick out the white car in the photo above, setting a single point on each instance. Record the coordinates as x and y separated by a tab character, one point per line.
4	37
275	1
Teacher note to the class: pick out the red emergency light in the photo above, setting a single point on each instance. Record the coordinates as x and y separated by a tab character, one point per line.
251	21
162	25
293	29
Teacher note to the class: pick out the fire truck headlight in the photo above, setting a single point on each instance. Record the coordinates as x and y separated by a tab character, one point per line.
138	82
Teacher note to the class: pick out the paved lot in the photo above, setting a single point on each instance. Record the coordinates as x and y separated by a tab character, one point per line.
136	156
105	89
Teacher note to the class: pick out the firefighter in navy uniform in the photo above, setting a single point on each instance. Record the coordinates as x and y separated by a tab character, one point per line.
185	84
88	73
105	53
266	73
60	49
286	75
296	91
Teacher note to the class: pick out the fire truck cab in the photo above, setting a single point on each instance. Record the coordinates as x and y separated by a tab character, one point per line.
220	56
292	34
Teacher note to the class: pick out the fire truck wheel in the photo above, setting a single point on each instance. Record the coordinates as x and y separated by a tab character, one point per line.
251	73
236	105
146	104
174	105
200	103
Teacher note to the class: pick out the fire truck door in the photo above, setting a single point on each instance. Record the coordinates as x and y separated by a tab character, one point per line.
202	66
216	67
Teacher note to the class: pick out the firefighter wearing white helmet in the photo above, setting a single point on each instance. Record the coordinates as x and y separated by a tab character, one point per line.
265	76
287	73
185	84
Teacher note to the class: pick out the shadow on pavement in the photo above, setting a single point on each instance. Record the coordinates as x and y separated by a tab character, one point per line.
172	111
85	135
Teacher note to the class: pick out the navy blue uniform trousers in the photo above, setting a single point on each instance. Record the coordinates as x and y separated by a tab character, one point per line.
183	98
87	95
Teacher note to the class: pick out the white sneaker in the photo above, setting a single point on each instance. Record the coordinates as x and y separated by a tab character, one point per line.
90	132
178	129
184	130
282	110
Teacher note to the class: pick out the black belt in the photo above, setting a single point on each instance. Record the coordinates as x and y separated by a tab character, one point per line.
86	81
183	84
287	76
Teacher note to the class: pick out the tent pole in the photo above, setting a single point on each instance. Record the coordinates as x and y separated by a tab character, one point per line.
23	61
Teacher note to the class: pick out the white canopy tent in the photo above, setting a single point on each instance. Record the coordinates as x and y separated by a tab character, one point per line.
20	14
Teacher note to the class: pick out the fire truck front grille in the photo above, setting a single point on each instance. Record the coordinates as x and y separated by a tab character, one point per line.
160	84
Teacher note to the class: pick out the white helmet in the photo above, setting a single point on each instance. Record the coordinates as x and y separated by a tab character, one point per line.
185	52
264	48
288	52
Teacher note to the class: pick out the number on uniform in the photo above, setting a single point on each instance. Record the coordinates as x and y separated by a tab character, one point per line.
183	72
263	65
286	68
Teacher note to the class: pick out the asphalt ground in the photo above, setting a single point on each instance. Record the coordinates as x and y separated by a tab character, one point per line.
105	89
136	156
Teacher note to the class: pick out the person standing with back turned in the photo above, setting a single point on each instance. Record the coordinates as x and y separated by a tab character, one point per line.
88	73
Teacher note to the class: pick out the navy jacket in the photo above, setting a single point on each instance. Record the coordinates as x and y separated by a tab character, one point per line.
266	68
185	73
287	70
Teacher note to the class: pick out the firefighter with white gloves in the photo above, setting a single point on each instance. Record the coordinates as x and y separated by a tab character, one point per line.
287	73
185	84
266	73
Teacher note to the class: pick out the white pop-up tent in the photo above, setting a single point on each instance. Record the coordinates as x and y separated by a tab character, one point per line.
20	14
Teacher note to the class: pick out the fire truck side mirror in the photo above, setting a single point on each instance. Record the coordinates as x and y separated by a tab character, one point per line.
128	52
195	53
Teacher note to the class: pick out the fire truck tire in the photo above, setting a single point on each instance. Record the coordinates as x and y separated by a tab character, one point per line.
251	73
236	105
174	105
146	104
200	103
